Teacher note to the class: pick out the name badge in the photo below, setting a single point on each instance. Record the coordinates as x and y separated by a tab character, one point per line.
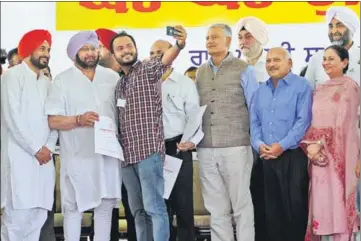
121	103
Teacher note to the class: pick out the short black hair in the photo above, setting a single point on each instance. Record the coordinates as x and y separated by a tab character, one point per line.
12	53
342	53
119	35
192	68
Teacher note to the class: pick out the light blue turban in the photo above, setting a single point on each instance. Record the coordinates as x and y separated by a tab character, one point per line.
79	40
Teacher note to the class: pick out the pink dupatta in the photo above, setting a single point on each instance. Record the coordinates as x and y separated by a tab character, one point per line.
333	186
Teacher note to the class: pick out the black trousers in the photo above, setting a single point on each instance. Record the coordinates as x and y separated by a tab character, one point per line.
286	184
257	192
180	201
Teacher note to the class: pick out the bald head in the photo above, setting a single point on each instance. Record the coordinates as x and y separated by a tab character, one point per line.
279	63
159	47
280	51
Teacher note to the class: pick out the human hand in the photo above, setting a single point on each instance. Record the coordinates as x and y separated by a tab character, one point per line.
265	152
186	146
276	149
43	156
180	35
313	150
88	118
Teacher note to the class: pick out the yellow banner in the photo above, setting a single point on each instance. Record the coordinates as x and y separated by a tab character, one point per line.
117	15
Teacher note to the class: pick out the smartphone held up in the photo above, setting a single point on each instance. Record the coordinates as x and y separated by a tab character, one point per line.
171	31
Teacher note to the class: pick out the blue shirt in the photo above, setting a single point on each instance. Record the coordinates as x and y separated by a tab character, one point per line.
249	81
282	114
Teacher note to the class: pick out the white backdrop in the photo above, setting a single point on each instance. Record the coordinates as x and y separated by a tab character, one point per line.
20	17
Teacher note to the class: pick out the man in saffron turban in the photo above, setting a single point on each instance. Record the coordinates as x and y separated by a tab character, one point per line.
27	172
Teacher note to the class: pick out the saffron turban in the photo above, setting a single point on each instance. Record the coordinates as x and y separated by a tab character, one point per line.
345	15
79	40
33	40
256	27
105	36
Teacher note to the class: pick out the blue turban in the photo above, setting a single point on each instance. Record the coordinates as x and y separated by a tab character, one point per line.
79	40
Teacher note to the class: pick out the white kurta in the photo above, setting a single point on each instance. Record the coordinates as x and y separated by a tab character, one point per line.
85	177
260	68
316	75
24	130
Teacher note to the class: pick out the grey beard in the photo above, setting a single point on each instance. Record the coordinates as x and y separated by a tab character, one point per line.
338	42
345	39
254	51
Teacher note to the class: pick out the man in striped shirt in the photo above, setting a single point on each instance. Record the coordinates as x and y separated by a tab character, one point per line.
139	102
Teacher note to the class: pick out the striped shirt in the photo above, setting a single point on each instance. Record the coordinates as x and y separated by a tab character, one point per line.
140	119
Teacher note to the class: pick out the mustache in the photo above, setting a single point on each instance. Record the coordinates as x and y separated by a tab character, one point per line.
273	68
47	58
125	54
90	58
337	34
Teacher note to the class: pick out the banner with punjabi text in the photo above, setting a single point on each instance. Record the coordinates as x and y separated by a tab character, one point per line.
155	14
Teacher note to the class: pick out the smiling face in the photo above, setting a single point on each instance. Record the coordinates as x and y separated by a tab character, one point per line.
278	64
87	57
125	51
338	33
40	57
333	64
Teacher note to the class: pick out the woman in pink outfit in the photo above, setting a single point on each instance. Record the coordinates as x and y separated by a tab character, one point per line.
332	144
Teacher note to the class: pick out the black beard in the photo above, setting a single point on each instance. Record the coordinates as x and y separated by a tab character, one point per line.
37	64
127	64
85	65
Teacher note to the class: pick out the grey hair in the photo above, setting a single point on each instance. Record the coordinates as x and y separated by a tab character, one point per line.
226	28
288	55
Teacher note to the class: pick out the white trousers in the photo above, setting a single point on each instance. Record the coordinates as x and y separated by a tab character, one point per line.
225	175
22	224
102	221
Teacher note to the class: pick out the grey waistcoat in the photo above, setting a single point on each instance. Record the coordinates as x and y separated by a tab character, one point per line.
226	121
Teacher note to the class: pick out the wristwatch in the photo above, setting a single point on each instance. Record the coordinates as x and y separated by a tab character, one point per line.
179	46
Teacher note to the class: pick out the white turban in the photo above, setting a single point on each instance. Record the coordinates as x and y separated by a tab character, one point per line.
345	15
256	27
79	40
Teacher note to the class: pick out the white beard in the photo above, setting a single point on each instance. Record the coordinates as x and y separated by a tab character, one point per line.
254	51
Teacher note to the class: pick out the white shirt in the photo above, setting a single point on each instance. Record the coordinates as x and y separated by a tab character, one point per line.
24	130
316	75
260	67
179	97
92	176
